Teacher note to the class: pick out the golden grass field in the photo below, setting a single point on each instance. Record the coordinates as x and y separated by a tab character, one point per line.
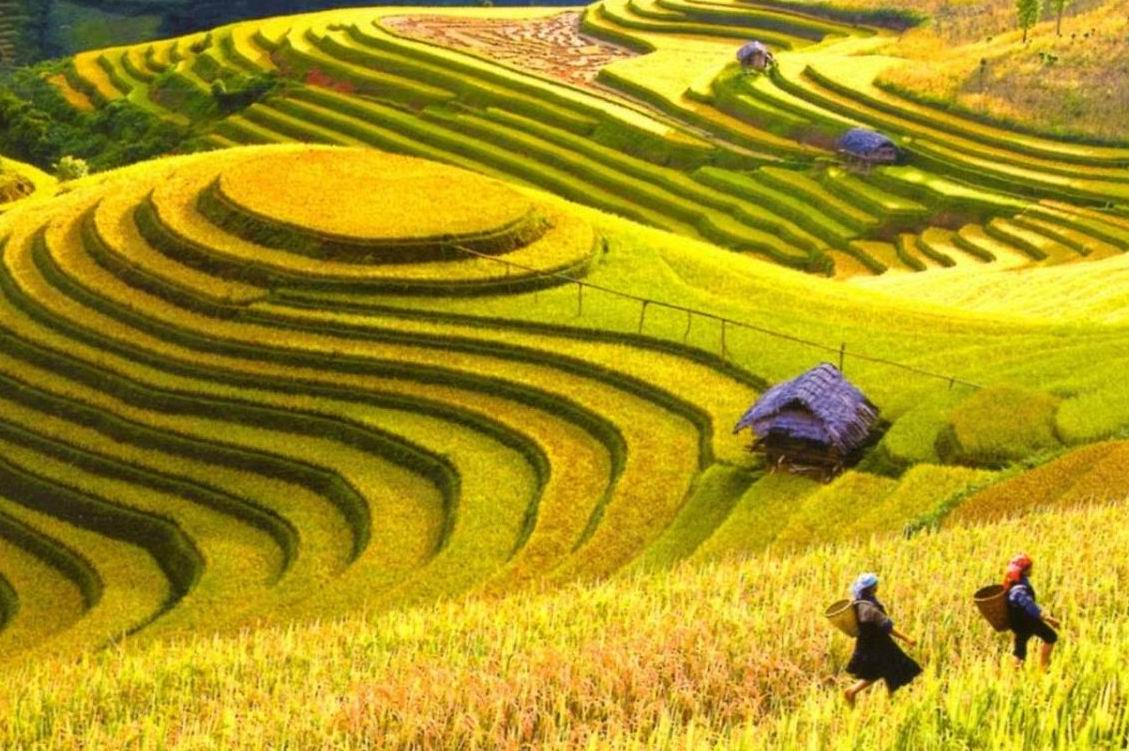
401	415
687	615
1068	83
727	655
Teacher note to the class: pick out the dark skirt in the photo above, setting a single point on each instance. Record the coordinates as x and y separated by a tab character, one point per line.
877	656
1024	627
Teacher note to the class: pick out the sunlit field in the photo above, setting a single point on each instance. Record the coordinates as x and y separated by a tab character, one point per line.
377	387
733	654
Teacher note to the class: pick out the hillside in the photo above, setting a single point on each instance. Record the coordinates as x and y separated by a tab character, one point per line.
22	27
288	404
671	661
79	25
393	405
1068	80
676	137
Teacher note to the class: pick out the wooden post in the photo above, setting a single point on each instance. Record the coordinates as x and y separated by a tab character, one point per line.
689	323
643	315
842	355
580	298
724	351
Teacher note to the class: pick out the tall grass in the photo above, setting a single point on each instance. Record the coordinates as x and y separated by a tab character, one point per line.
733	655
1069	85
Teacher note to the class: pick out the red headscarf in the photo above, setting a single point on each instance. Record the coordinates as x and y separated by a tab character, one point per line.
1016	568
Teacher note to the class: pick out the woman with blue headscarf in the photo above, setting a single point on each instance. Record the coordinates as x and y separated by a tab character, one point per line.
876	655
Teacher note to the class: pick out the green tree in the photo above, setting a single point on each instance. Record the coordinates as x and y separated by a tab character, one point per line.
1028	12
71	168
1059	6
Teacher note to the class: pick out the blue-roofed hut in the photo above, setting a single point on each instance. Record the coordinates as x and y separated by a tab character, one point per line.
867	147
815	422
756	56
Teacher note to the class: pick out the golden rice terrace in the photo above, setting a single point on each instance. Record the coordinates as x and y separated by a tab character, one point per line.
471	301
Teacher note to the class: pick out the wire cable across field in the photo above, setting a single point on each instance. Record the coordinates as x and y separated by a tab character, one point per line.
725	322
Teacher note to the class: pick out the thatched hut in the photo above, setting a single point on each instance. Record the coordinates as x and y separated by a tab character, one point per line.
755	56
867	147
817	422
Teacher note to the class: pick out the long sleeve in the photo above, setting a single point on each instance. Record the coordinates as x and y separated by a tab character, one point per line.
871	613
1020	597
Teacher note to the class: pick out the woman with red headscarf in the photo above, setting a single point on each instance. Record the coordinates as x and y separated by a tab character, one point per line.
1027	618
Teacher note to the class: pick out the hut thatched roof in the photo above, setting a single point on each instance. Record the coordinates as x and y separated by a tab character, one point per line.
863	141
752	48
820	405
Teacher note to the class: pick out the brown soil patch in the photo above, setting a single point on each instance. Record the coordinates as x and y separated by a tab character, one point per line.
14	187
552	46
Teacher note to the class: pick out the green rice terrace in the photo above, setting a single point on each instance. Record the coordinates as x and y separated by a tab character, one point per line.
463	305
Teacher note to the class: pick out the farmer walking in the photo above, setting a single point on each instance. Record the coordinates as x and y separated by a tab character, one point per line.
876	655
1027	618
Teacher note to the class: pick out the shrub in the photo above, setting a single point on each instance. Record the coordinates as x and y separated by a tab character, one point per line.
237	92
38	126
71	168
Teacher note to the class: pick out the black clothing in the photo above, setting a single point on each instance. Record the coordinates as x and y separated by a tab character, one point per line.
1026	618
876	655
1023	634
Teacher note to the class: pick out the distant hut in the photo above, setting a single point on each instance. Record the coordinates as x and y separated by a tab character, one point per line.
755	56
817	422
867	147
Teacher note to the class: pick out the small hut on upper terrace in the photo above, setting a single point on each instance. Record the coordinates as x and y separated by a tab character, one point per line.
817	422
755	56
867	147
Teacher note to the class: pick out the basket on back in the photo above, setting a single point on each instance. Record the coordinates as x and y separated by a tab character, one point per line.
843	617
992	603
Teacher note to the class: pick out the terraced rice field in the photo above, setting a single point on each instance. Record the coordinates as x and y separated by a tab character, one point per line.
449	319
285	401
673	134
422	458
12	19
604	666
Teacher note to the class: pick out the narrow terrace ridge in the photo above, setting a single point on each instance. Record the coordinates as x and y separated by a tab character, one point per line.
314	458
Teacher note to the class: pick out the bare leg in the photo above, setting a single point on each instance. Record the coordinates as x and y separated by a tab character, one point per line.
1045	655
854	690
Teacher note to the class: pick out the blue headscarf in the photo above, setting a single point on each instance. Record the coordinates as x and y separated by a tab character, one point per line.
863	583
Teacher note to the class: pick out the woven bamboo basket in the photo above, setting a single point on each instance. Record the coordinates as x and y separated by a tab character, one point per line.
843	617
992	603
